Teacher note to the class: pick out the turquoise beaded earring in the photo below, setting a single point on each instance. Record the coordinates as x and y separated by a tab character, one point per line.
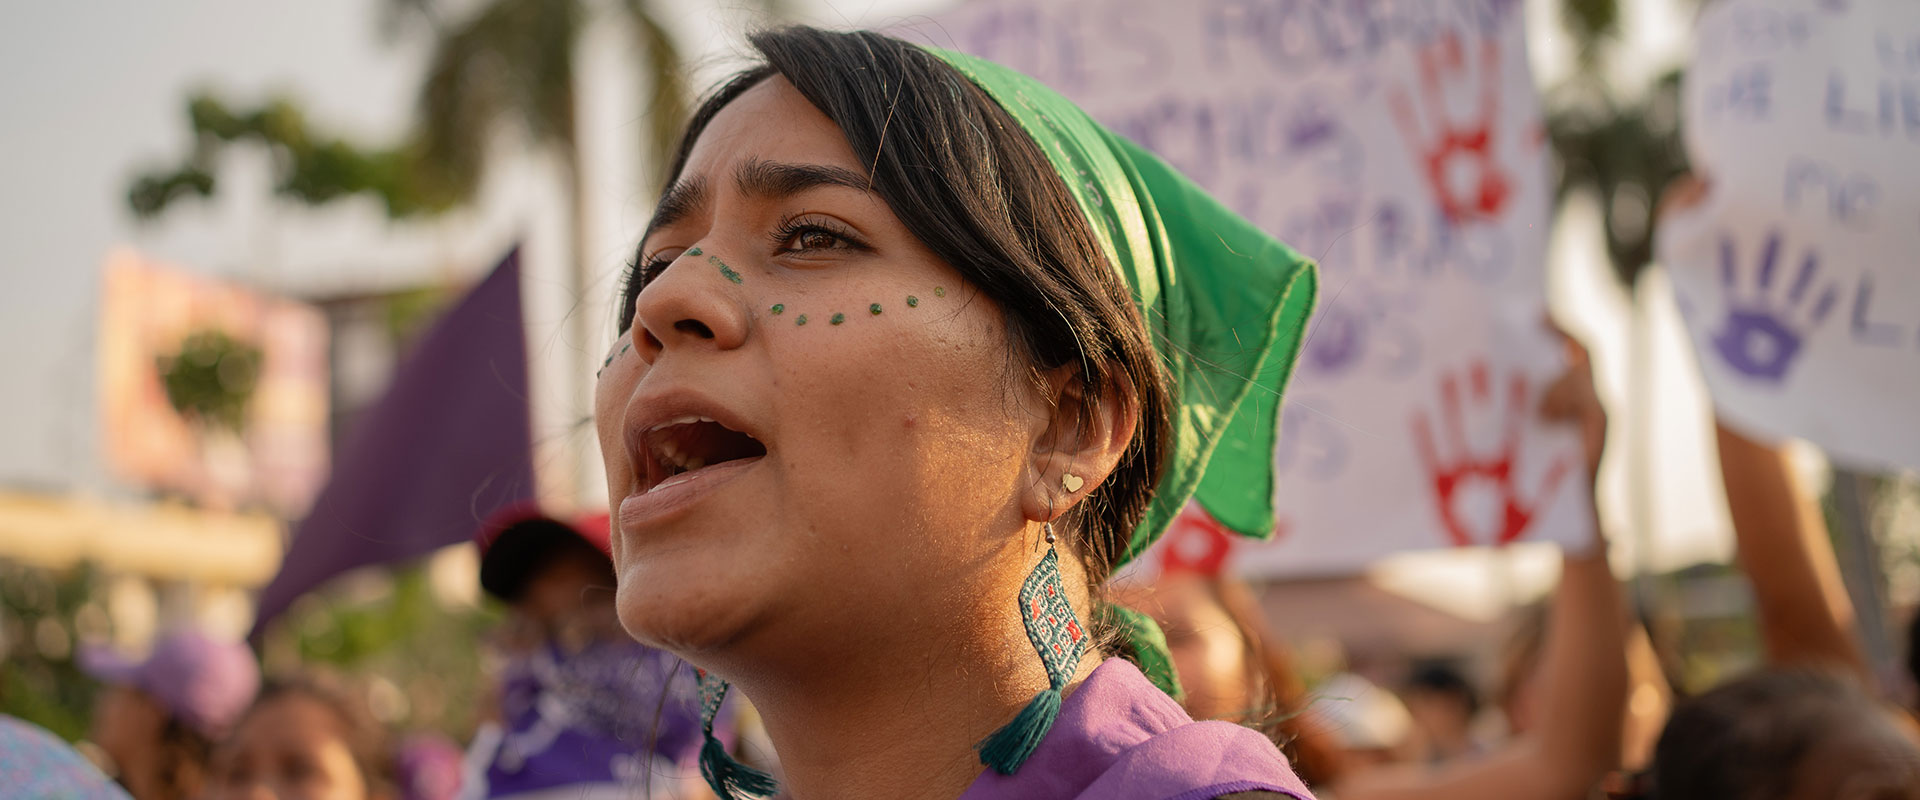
730	779
1059	639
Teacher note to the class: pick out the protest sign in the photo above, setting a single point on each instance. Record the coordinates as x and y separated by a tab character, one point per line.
1401	146
1799	272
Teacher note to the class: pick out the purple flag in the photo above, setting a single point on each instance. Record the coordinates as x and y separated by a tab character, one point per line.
449	444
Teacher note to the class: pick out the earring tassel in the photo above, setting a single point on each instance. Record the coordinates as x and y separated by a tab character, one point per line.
730	779
1010	746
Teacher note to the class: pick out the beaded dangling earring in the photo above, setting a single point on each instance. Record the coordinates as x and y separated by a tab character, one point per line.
1058	638
730	779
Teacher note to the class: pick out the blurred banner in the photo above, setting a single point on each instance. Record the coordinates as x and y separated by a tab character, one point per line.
1401	145
1799	273
209	390
449	444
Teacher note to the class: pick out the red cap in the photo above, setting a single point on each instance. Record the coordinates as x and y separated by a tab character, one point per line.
512	541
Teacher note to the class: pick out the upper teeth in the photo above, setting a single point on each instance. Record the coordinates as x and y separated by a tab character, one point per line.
680	421
669	450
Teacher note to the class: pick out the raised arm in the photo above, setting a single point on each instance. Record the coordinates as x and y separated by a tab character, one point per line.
1583	668
1805	617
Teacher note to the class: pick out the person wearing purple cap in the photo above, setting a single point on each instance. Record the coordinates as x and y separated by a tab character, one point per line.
157	720
583	710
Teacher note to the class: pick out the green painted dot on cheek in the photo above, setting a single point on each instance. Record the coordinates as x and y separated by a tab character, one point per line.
939	291
724	269
695	251
838	318
875	308
779	307
801	321
913	302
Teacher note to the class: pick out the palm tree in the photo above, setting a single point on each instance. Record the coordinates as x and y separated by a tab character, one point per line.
513	60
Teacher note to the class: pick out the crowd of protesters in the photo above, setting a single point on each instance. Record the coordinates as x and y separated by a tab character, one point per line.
582	710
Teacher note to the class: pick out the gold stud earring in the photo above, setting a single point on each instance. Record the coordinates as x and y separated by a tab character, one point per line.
1071	483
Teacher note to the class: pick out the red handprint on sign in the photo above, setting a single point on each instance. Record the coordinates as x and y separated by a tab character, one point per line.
1464	467
1467	182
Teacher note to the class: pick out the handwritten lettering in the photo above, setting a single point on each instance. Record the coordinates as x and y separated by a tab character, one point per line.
1866	330
1885	107
1746	95
1848	198
1299	35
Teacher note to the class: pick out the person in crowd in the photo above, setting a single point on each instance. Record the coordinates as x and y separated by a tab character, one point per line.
155	722
1806	725
1801	733
37	765
1229	664
1577	690
1443	704
305	738
583	710
914	353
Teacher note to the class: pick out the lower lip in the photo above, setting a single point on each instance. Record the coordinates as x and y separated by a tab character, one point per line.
651	508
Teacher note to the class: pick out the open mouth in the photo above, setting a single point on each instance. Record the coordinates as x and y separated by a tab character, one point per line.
679	448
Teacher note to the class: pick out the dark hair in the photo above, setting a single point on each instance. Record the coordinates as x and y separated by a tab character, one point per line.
366	739
972	186
1746	740
1444	678
184	756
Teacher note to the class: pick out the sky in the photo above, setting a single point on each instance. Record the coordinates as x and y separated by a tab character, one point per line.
95	91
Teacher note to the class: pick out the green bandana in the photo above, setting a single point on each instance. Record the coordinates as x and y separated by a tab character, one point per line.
1227	305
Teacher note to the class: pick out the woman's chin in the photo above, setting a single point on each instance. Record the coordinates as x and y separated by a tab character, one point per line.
681	612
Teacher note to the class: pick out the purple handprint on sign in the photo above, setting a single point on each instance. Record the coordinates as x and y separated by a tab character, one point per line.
1335	341
1762	335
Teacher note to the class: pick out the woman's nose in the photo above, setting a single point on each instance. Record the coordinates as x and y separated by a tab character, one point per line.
693	302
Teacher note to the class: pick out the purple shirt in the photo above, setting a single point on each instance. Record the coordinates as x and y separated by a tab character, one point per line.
603	715
1119	737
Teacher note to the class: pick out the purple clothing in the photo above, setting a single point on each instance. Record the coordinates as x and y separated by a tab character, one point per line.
608	714
1120	738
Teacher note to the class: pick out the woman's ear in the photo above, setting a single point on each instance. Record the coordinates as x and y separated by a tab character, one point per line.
1077	444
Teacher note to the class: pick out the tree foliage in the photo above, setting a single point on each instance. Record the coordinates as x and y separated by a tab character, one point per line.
211	379
1623	147
507	62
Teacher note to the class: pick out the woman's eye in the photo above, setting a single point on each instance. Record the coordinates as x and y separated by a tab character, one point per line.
806	236
816	240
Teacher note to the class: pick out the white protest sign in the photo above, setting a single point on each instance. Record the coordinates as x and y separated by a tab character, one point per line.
1799	273
1400	145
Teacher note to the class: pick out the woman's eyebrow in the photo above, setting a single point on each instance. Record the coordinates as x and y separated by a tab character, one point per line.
679	201
777	179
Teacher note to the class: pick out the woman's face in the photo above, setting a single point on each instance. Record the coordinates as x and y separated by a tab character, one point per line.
809	432
290	748
1209	654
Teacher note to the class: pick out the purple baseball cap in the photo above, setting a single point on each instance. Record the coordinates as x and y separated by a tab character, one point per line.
203	681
